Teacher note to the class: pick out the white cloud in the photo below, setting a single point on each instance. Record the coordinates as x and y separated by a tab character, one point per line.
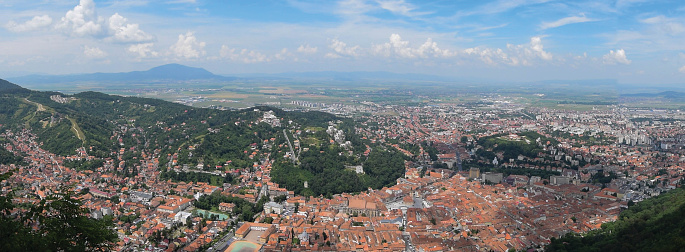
616	57
536	46
524	54
143	50
401	48
396	46
82	20
431	48
400	7
490	56
503	6
306	49
332	56
188	47
656	34
35	23
353	7
668	26
122	32
682	69
244	55
566	21
94	52
341	49
284	54
182	1
514	55
485	28
628	3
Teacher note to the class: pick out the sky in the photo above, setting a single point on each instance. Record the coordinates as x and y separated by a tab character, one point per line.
633	41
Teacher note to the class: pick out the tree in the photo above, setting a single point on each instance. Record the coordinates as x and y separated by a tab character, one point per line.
61	224
281	198
189	223
65	225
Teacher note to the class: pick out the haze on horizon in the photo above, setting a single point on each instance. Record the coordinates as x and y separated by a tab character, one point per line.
633	41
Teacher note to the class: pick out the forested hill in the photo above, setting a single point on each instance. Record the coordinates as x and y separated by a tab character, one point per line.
7	87
134	131
656	224
102	123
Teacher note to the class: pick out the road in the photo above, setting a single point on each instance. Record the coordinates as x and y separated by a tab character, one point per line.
292	152
223	243
40	106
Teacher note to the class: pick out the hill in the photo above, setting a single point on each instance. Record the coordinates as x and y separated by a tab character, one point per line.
188	140
656	224
165	73
8	87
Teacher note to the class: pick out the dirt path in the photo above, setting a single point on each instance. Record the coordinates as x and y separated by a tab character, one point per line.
76	129
40	106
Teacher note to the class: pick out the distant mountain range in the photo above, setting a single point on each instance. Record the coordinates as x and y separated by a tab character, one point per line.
172	75
665	94
586	82
350	76
164	73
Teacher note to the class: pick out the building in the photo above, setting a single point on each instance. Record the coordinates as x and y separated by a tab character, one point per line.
474	173
273	207
534	179
492	177
250	226
106	211
226	207
140	197
516	180
356	168
362	207
182	217
559	180
174	204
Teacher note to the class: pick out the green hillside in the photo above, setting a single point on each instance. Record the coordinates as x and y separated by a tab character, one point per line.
656	224
182	137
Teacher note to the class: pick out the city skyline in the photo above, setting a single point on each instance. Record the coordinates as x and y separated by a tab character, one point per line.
635	42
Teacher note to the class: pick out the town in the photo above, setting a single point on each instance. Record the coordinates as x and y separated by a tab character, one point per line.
494	175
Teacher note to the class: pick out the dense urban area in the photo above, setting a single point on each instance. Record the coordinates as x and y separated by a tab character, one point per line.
492	174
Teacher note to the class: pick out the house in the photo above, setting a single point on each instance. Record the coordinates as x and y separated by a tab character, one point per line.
226	207
273	207
182	217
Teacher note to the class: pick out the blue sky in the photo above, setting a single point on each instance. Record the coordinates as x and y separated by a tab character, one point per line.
634	41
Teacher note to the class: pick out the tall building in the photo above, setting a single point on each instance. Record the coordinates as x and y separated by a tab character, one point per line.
474	173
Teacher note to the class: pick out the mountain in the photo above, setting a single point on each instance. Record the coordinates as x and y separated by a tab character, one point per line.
164	73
